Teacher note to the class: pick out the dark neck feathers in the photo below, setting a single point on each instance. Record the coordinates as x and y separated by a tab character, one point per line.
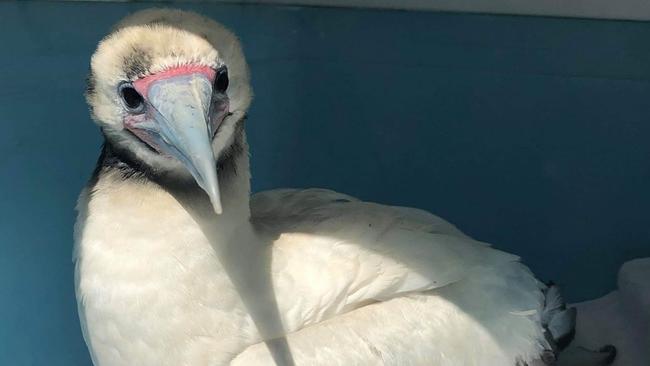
114	158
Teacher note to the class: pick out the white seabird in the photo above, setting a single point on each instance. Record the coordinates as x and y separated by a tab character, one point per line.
177	265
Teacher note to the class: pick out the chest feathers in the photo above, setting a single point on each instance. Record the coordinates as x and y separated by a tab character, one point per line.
148	278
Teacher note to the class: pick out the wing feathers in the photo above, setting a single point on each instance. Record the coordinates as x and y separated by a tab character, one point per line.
337	253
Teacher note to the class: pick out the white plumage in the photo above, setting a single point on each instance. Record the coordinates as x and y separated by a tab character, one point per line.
162	280
151	281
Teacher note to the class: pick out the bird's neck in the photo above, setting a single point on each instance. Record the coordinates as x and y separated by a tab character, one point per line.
234	182
154	237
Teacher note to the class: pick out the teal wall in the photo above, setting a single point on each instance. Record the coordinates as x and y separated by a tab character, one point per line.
530	133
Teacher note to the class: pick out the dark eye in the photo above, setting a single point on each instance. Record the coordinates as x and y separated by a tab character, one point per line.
221	80
133	101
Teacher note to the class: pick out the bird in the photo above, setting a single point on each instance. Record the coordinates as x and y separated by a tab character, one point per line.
177	263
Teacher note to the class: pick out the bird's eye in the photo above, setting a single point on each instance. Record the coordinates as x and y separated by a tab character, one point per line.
221	80
133	101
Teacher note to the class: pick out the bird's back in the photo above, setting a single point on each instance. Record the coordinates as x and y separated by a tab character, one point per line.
409	247
396	277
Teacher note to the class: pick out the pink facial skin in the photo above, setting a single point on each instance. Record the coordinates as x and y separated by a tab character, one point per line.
131	122
142	85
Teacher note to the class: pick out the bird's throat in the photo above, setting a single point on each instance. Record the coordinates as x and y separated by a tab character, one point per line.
232	167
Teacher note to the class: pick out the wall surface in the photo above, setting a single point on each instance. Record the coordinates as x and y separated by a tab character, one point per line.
607	9
529	133
600	9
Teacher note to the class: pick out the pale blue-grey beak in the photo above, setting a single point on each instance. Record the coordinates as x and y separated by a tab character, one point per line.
178	125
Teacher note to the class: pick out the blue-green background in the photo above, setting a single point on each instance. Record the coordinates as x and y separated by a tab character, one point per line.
530	133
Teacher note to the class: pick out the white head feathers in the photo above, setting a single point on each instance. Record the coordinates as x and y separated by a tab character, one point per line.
155	40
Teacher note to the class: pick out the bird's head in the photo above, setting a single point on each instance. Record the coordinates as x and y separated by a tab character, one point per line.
169	89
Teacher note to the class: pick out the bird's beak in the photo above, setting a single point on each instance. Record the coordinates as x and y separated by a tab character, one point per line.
177	123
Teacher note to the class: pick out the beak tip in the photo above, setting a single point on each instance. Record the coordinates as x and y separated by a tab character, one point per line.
216	205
